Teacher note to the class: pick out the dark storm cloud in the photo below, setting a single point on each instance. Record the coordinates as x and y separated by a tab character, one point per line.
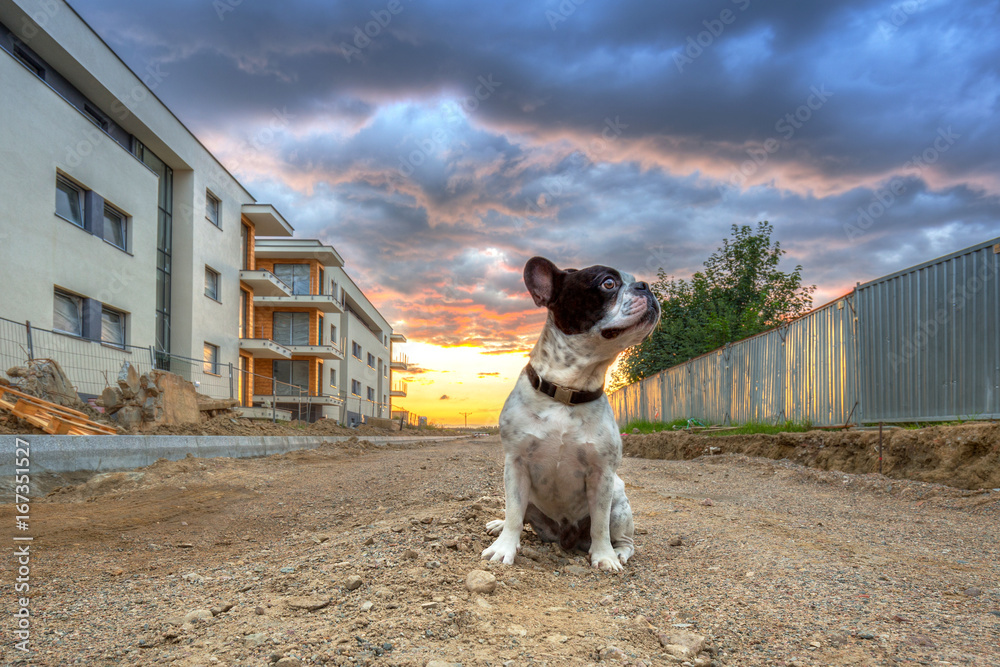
451	143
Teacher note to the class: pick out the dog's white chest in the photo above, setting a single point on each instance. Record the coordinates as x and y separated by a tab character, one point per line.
561	447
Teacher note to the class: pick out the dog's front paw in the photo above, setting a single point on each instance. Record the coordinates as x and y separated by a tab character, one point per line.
624	553
608	561
494	527
502	550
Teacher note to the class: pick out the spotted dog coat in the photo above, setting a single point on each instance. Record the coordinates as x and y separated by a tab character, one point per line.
560	458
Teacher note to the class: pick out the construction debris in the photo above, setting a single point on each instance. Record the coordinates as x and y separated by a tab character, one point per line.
45	379
140	402
50	417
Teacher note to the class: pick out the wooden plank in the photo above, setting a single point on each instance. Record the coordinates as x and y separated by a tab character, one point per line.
42	402
51	418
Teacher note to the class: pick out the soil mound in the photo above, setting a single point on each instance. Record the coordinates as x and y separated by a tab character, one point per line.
965	456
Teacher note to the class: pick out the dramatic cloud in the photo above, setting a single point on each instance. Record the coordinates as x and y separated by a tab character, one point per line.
445	147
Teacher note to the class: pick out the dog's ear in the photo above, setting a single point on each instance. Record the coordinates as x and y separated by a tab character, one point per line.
542	279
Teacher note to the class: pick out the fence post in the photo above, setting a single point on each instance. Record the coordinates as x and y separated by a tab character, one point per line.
31	348
230	379
152	358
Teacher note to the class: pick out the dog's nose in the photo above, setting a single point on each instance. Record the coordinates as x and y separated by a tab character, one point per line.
641	287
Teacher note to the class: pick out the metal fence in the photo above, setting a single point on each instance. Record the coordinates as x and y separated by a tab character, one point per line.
92	365
922	344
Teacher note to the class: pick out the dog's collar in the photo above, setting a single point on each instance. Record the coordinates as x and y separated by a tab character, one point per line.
559	393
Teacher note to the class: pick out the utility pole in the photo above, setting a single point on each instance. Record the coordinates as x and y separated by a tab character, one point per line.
466	418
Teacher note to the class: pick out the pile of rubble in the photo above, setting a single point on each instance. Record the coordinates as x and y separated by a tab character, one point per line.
155	398
45	379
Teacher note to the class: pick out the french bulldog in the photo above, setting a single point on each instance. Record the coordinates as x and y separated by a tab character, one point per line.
561	443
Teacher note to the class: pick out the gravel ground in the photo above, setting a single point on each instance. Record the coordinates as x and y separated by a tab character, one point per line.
354	554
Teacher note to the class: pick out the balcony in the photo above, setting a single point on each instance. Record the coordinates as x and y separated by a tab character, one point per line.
262	348
264	283
397	338
399	391
326	303
267	400
321	351
399	363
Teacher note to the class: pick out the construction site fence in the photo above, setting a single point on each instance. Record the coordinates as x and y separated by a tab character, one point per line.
922	344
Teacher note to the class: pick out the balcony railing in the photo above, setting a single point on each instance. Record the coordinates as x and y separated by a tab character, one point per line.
326	303
264	283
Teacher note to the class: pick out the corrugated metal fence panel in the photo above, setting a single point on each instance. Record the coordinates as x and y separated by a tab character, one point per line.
930	348
922	344
802	372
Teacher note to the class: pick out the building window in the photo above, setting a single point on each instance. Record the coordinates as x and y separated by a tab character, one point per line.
244	246
355	349
112	327
211	283
296	276
385	370
115	228
69	201
213	209
371	394
211	359
291	328
96	116
333	377
67	315
371	360
291	377
333	334
355	387
30	62
245	314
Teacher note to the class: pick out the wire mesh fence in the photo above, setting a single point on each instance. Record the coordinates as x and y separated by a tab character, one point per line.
89	364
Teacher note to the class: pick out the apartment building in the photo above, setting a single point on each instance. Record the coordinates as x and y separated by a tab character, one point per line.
127	239
322	344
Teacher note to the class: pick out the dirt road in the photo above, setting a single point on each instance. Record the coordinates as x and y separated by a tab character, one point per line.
355	554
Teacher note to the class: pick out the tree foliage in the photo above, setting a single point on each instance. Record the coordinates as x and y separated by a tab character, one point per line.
739	293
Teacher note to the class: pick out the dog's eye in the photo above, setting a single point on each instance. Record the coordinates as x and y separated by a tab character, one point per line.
609	283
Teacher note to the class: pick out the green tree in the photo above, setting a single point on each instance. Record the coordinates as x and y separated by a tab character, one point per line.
739	293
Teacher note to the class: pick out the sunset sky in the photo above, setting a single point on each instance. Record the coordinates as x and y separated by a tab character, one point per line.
453	141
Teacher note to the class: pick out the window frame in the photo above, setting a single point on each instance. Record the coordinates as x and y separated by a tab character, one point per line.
109	208
293	328
79	312
209	271
29	61
214	363
210	198
356	350
123	318
356	383
81	197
